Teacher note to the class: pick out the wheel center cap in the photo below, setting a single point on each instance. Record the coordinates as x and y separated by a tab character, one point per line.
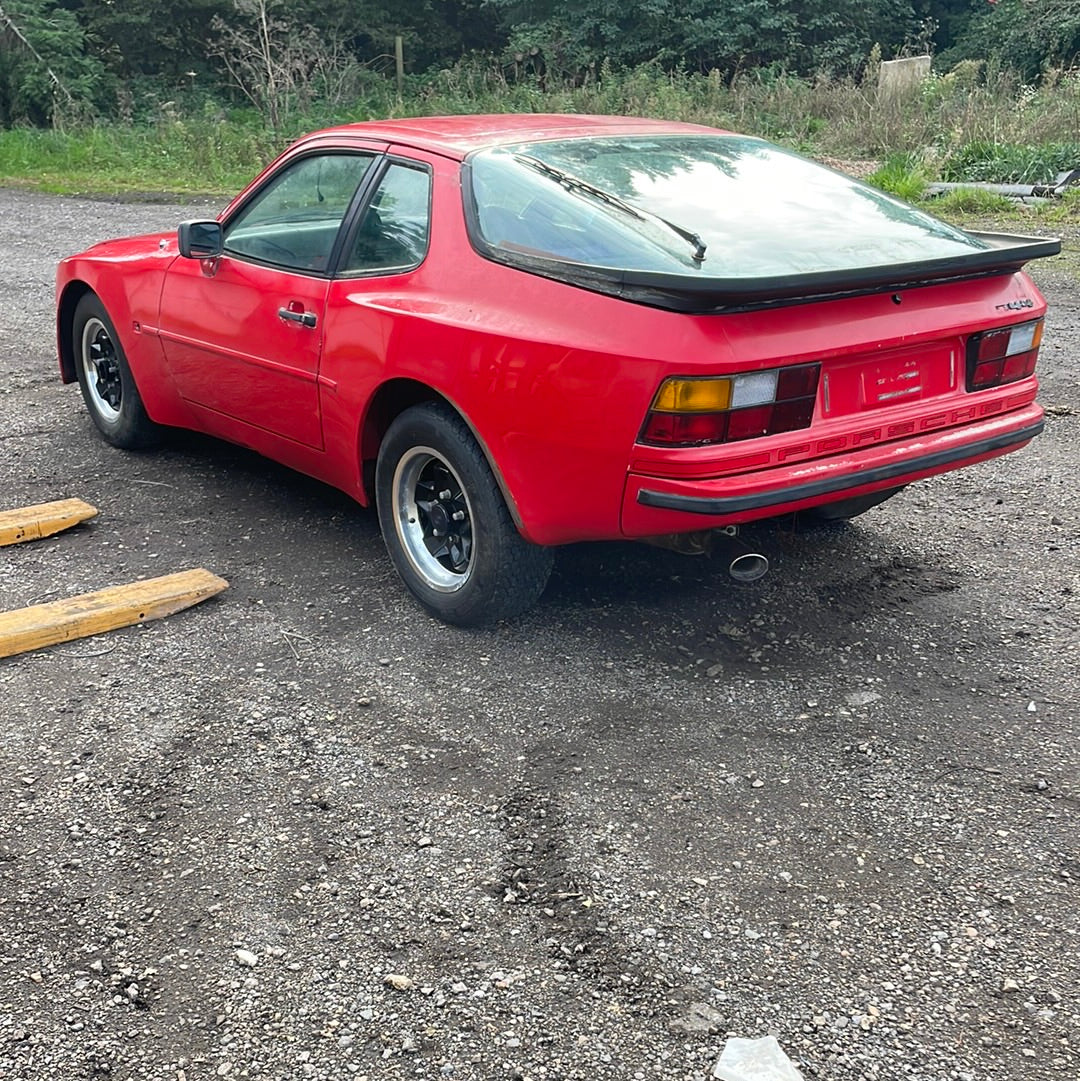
440	519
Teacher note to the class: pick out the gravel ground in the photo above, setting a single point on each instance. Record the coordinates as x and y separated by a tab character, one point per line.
304	831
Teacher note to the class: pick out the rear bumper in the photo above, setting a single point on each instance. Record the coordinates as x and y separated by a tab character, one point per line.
662	504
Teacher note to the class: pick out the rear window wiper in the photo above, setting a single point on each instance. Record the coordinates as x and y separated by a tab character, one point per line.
575	183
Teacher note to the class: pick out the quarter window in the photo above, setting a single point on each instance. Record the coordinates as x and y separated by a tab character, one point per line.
294	221
393	233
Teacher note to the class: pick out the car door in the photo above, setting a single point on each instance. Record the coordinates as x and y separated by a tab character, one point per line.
243	334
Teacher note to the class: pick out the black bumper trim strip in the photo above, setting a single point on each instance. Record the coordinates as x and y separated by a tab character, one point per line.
694	504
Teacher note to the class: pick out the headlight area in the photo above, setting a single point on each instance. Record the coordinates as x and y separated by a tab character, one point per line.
694	412
1006	355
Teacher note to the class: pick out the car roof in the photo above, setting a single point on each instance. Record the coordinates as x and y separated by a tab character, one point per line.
457	136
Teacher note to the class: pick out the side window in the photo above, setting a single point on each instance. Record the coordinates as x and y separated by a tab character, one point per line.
393	233
294	221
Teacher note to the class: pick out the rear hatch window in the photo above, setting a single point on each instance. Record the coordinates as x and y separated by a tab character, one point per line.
711	223
757	210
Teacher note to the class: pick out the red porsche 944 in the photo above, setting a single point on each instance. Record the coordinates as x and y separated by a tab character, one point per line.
513	332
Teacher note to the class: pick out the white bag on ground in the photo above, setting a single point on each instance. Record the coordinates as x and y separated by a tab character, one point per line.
755	1060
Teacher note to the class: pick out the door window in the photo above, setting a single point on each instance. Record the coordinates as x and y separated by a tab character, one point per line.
294	221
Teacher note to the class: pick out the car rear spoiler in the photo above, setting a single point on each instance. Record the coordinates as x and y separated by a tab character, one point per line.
688	293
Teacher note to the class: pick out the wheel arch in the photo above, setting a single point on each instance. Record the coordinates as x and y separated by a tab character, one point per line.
391	400
73	292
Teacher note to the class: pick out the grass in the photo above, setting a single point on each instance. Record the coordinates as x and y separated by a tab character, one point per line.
970	124
902	175
177	156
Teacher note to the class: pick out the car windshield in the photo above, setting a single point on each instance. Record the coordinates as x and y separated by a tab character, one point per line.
723	206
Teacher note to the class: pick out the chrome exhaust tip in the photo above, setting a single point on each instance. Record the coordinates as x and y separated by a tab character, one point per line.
748	567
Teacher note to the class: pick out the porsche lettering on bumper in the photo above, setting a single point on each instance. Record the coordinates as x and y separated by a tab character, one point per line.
888	464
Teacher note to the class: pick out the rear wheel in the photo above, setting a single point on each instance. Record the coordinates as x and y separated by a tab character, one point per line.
446	525
107	385
843	509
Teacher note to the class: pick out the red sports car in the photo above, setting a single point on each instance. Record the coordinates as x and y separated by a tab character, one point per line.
513	332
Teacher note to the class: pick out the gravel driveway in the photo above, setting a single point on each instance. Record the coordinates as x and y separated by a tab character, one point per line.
304	831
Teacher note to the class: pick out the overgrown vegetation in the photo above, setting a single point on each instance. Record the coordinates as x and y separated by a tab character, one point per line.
960	126
106	96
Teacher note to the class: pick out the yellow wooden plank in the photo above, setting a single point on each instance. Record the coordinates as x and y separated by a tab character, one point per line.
42	520
24	629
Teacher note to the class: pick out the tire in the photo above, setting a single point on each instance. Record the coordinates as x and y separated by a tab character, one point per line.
107	385
843	509
446	525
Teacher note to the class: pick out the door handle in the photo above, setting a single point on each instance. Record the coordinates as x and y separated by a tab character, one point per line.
306	319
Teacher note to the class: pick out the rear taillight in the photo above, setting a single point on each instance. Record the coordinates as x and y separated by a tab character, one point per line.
690	412
1002	356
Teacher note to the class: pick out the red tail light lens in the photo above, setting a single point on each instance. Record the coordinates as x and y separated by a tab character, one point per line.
697	412
996	357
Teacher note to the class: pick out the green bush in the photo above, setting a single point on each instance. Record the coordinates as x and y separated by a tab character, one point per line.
902	175
1009	163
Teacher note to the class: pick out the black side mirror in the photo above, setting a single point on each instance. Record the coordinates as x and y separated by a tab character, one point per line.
199	239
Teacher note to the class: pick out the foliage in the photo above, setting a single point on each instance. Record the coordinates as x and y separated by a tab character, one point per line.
569	39
1008	163
205	154
960	125
281	65
902	175
975	201
46	75
1026	36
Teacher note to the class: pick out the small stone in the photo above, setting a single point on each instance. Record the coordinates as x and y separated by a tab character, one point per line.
757	782
37	977
1032	708
224	1068
1009	984
398	982
699	1017
861	698
364	701
424	842
246	958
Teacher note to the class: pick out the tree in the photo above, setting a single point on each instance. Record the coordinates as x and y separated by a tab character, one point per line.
1027	36
46	73
147	37
804	38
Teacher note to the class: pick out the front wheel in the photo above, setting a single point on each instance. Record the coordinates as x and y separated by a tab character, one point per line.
446	525
107	385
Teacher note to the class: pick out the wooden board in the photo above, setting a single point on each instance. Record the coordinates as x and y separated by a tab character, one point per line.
42	520
24	629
